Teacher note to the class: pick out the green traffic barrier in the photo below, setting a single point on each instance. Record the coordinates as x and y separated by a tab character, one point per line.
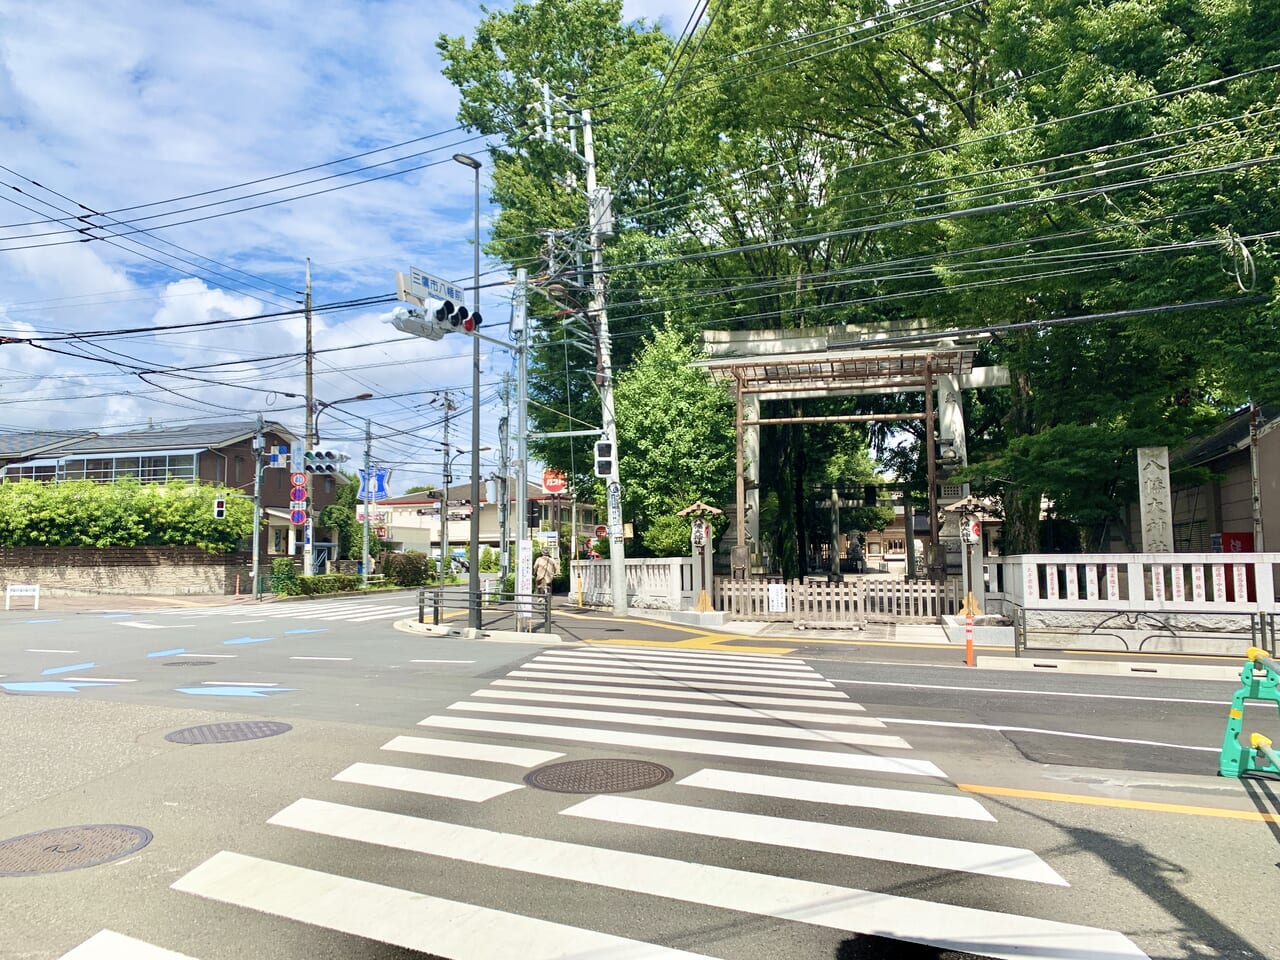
1260	680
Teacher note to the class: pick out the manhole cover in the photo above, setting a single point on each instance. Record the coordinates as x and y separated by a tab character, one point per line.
598	776
188	663
229	732
69	848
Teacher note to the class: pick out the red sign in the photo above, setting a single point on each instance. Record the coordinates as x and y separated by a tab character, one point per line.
602	531
298	516
298	479
298	494
553	482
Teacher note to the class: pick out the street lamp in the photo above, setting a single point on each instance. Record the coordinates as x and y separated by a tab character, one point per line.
322	405
473	582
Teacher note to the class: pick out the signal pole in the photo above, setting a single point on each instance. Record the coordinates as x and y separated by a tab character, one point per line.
308	528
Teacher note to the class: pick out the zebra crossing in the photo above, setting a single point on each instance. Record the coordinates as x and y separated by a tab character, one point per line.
742	733
363	610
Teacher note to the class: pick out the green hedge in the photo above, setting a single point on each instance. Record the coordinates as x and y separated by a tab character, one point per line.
328	583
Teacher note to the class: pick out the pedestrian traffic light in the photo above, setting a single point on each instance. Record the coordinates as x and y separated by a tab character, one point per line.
219	508
323	461
534	515
604	458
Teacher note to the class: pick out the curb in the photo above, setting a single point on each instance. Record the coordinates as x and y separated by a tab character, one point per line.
445	632
1124	668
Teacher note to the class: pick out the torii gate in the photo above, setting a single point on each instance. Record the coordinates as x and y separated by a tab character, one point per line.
842	361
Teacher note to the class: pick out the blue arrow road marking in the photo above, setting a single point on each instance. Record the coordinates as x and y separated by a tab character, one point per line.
50	686
73	667
234	691
308	630
249	640
168	653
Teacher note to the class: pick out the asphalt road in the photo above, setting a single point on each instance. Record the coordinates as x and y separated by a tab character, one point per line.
980	812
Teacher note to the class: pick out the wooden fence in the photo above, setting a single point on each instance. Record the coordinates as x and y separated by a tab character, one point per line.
847	604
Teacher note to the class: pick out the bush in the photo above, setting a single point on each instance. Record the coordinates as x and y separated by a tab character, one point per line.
409	569
284	577
328	583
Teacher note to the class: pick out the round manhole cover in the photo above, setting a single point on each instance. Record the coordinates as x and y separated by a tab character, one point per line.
188	663
229	732
69	848
598	776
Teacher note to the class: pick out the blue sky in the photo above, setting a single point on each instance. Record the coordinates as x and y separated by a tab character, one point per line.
118	106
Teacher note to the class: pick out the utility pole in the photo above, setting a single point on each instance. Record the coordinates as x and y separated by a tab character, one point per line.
368	488
444	494
524	546
257	507
504	474
600	226
308	557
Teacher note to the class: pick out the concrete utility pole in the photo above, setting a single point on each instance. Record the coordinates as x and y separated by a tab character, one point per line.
368	489
257	506
504	475
308	556
444	494
524	546
599	227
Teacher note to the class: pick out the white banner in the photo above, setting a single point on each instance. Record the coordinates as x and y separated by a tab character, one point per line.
524	577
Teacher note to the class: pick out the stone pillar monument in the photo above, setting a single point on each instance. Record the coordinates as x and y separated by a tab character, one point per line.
1154	501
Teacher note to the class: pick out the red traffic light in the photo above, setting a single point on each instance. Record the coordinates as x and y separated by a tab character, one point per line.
472	323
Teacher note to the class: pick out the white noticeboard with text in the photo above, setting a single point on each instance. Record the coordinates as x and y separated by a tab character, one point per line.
524	577
777	597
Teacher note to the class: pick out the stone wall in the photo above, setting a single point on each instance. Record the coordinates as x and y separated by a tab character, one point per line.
140	571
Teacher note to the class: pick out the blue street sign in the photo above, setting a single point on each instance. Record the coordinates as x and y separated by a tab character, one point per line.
380	476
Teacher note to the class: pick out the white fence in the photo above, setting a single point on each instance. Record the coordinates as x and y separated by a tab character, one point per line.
664	583
1146	582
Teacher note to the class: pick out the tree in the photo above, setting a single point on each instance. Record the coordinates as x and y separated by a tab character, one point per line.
341	516
675	434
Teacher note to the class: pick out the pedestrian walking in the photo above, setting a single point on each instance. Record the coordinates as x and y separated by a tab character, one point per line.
544	571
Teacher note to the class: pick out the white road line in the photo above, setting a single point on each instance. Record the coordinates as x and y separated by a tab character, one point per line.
846	760
666	680
587	665
343	659
377	613
718	709
986	859
768	731
144	626
837	704
1001	691
442	661
108	945
101	679
403	918
986	932
52	651
237	683
212	656
430	782
673	656
842	794
1002	728
465	750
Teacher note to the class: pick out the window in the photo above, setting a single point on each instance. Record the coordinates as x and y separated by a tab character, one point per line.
239	468
279	540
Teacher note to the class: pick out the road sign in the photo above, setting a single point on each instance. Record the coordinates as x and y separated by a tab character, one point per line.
298	516
971	530
298	494
298	479
428	287
602	531
373	486
554	482
614	492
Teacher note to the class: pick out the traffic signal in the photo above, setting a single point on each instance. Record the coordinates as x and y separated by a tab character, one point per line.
533	515
219	508
604	458
413	321
472	323
448	317
323	461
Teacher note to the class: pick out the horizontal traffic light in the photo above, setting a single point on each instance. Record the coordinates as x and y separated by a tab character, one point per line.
323	461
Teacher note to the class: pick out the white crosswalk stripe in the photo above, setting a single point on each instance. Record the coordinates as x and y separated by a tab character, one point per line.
776	759
351	611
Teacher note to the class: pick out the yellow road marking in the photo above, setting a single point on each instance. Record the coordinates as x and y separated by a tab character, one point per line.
692	643
1125	804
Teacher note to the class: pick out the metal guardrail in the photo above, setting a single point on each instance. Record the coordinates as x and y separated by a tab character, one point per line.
1134	631
521	612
